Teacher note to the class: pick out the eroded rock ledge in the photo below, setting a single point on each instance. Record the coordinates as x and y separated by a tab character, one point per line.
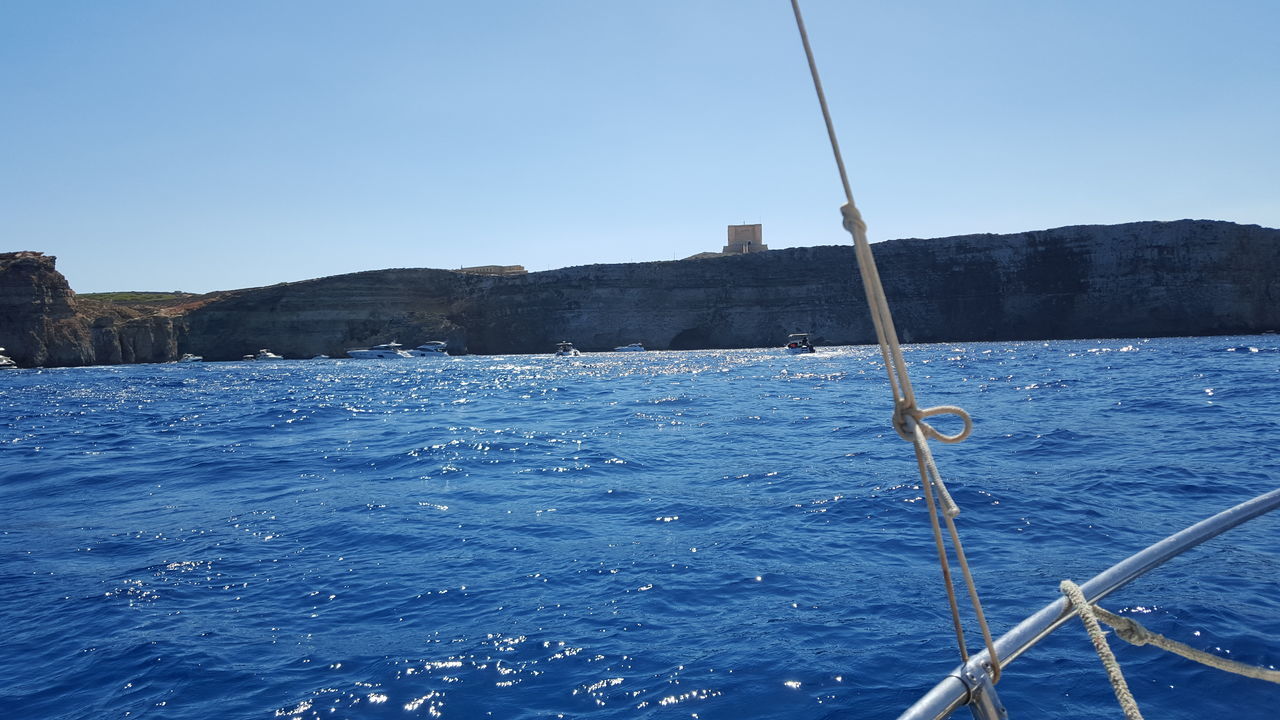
1190	277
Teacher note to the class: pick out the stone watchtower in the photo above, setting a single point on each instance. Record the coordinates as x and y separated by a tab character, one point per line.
745	239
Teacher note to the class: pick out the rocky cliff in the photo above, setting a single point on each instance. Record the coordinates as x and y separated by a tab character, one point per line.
1138	279
39	322
42	324
329	315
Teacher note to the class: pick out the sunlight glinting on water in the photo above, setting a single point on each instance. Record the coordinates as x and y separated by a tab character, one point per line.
715	534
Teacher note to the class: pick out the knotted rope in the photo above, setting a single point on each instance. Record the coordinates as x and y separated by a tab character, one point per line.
1132	632
1082	607
908	419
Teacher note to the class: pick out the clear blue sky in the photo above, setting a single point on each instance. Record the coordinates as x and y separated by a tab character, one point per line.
215	144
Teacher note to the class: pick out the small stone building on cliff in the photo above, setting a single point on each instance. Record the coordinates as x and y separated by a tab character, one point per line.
742	239
745	239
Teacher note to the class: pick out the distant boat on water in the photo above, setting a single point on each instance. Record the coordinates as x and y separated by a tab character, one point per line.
633	347
564	348
431	348
188	357
799	343
385	351
6	362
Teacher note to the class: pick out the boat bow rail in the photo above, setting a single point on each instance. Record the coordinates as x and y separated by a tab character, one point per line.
970	683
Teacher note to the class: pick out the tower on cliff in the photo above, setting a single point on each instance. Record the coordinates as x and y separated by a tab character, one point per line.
745	239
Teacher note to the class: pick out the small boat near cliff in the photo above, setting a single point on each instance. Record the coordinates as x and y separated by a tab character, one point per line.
431	348
385	351
633	347
188	357
6	362
798	343
564	348
265	354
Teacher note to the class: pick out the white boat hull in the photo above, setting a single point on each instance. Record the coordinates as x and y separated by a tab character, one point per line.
431	349
378	354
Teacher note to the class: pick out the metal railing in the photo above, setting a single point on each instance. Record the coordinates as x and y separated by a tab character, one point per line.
969	684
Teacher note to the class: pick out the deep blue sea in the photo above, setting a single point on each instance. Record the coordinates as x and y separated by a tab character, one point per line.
718	534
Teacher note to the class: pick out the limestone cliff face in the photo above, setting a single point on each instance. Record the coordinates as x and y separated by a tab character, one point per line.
144	339
329	315
736	301
1138	279
42	323
39	324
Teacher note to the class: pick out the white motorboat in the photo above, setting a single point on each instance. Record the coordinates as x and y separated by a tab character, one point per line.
633	347
265	354
431	348
385	351
564	348
188	357
799	343
6	362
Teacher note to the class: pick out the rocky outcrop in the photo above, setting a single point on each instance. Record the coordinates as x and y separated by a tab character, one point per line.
145	339
43	324
1138	279
39	322
329	315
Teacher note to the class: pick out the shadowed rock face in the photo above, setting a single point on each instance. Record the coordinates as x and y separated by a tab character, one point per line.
39	323
42	324
329	315
1138	279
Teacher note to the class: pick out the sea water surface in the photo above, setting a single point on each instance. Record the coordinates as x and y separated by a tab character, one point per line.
718	534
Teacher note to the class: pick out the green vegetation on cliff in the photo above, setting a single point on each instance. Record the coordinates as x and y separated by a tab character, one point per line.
138	297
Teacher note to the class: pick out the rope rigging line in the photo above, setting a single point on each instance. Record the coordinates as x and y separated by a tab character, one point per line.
1132	632
1121	688
909	421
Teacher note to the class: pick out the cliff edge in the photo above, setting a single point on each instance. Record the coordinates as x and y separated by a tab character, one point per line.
42	324
1189	277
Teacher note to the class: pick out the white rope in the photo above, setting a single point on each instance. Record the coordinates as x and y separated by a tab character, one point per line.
887	337
909	422
908	419
1132	632
1082	607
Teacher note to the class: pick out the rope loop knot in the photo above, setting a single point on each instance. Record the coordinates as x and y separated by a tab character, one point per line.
1128	630
853	221
907	418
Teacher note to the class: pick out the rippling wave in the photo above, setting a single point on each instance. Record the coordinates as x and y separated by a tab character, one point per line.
723	534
